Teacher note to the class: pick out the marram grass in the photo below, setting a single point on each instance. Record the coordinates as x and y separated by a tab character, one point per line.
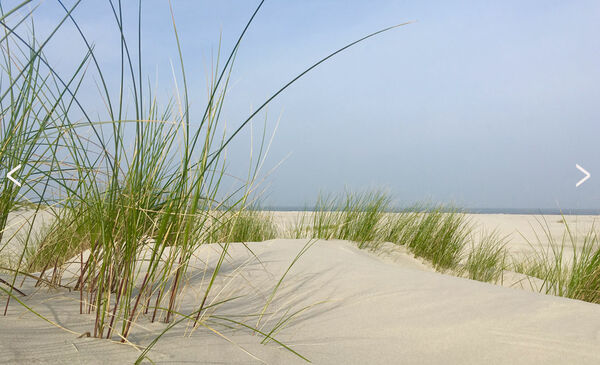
569	266
437	234
447	239
250	225
353	217
487	259
134	198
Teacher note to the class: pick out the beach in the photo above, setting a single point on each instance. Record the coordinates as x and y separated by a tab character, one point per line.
338	304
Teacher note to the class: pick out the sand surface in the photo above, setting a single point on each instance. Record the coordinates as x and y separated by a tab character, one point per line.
354	307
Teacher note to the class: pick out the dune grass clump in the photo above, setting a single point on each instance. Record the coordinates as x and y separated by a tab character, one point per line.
401	224
353	217
436	234
362	215
486	260
323	222
569	266
445	237
249	225
137	193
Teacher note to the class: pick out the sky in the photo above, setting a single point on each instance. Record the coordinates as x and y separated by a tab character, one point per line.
481	104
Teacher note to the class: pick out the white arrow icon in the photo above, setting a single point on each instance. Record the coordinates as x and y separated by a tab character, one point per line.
9	177
587	175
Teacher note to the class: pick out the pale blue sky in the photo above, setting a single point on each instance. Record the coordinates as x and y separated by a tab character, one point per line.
483	103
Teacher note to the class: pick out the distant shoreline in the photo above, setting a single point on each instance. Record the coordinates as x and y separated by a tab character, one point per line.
543	211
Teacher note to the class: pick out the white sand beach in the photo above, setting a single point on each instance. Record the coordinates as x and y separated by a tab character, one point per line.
354	307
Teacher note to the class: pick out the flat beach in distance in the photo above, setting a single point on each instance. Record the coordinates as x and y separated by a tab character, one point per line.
351	306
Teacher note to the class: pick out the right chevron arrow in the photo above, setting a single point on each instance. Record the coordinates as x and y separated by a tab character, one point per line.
587	175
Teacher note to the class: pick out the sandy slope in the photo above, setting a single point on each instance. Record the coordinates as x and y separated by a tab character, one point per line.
22	223
390	309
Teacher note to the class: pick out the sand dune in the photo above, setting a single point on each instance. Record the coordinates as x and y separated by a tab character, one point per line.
360	308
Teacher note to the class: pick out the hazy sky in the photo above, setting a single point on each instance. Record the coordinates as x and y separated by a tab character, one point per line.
483	103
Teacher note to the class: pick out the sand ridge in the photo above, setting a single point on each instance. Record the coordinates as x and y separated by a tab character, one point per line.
363	308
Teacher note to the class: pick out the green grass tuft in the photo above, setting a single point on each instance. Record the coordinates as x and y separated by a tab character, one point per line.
244	226
569	267
438	234
353	217
486	260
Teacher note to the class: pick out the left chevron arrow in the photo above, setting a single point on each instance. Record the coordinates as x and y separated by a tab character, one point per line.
9	175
